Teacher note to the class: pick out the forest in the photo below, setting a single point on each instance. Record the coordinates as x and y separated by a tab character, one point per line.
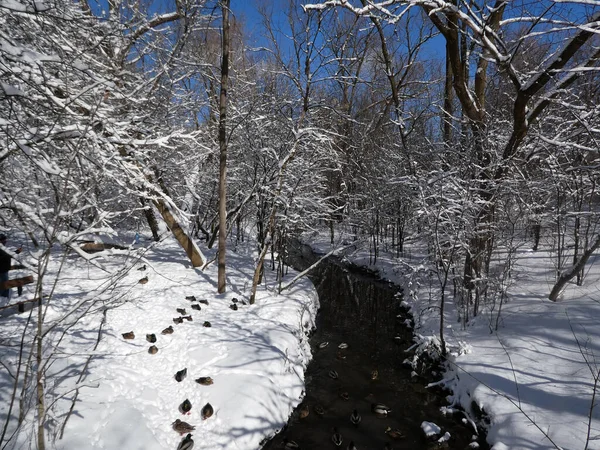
472	126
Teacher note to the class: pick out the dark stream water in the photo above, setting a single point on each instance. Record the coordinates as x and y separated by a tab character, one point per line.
361	311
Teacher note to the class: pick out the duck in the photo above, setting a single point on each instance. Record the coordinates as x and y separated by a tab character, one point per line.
234	300
203	301
204	381
178	319
233	306
197	307
344	395
394	433
351	446
168	330
380	409
333	374
191	298
319	410
188	318
153	350
323	344
374	374
304	411
151	338
142	268
182	427
186	444
355	418
128	335
343	346
207	324
143	280
286	444
207	411
180	375
340	356
181	311
336	438
185	407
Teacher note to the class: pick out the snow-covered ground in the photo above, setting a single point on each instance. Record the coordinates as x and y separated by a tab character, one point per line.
128	398
534	376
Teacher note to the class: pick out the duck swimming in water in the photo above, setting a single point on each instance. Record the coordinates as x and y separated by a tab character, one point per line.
394	433
336	438
380	410
286	444
355	418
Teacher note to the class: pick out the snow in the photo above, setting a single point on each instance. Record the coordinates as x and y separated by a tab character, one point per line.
534	376
127	397
430	429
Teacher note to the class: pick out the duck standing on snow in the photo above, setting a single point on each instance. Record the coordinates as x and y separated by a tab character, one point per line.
182	427
178	319
128	335
168	330
207	411
179	376
181	311
336	438
191	298
186	444
153	350
351	446
205	381
196	307
151	338
185	407
143	280
355	418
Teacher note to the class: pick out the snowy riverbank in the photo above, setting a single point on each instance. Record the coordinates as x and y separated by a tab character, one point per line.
127	397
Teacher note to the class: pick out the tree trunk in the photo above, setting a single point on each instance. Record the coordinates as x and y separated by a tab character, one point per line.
567	276
223	149
184	240
151	219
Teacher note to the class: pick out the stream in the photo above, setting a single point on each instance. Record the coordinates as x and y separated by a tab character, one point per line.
362	311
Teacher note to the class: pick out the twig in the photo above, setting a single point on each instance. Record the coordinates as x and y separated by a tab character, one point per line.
82	374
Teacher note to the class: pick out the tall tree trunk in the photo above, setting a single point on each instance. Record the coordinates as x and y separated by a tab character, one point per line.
151	219
184	240
223	149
